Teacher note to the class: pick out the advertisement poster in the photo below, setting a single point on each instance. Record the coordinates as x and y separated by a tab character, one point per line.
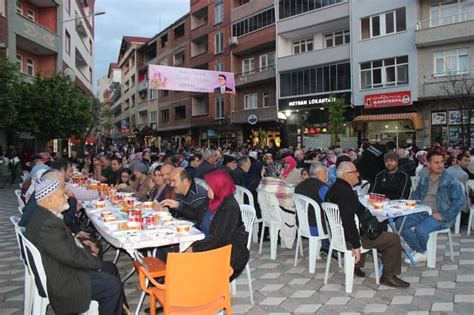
190	80
438	118
388	100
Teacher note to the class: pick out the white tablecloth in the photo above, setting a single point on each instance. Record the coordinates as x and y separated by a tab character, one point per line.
394	208
133	240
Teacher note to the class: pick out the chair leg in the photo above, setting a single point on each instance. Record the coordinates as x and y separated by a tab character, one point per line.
117	255
233	287
298	240
313	249
469	224
450	240
249	279
431	250
28	292
457	225
262	232
339	259
273	241
376	266
255	233
349	263
301	246
152	305
328	264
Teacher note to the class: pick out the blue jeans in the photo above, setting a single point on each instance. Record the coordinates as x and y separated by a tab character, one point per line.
424	224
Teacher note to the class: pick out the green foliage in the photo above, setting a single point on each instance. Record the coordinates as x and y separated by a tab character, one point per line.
337	110
9	79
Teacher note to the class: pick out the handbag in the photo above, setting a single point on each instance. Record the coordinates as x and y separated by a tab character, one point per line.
370	227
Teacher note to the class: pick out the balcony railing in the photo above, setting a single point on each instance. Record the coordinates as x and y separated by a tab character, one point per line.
459	18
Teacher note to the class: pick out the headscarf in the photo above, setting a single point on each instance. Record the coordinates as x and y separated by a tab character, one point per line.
290	160
222	185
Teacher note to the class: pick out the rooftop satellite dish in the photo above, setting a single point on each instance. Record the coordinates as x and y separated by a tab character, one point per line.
70	74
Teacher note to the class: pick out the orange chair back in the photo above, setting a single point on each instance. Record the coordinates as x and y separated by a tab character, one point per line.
198	279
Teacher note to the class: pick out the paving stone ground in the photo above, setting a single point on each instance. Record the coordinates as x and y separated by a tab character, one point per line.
282	288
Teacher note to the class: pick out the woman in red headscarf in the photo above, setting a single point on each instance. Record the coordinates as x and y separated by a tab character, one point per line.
290	174
221	221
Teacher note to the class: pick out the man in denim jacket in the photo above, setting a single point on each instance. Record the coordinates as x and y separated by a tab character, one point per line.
444	194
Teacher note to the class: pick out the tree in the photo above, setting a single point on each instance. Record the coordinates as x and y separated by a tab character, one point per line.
337	110
460	91
9	81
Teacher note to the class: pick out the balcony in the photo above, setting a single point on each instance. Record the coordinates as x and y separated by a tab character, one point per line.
263	114
249	9
447	30
313	58
41	40
142	106
256	41
142	85
255	77
291	27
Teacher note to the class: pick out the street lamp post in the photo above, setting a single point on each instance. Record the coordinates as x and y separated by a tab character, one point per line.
81	17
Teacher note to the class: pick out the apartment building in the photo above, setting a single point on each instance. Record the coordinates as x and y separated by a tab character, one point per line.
313	63
3	29
210	50
252	46
444	38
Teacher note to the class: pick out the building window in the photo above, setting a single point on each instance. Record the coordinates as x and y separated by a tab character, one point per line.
443	13
180	112
383	73
294	7
90	46
383	24
30	66
337	38
153	94
219	107
267	61
90	74
250	101
266	99
219	66
165	92
302	46
67	43
153	116
218	11
219	43
19	7
165	115
253	23
451	62
19	62
178	58
316	80
30	15
248	66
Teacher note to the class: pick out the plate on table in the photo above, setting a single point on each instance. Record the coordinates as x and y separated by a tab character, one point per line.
161	233
127	233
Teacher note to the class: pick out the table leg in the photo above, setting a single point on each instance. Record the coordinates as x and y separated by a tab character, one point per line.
405	247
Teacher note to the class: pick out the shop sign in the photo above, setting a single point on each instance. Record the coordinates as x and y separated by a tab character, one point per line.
388	100
252	119
313	101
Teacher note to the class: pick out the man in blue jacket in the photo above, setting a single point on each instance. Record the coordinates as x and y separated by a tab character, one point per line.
444	194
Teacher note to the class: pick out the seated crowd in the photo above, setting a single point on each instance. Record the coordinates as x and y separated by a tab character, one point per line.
56	223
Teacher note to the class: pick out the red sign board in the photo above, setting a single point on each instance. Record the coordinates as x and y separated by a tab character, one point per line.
388	100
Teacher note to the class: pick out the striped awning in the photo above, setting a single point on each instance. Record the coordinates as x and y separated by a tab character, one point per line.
415	118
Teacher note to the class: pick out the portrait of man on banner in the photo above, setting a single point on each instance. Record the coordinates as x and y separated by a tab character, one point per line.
223	88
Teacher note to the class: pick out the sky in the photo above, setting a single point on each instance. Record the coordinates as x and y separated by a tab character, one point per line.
129	18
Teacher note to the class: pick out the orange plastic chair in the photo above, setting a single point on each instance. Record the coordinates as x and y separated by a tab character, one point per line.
155	268
195	283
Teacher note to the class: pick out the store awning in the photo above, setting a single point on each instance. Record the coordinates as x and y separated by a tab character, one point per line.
415	118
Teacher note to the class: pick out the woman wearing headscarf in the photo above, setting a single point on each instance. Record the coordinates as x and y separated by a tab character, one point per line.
290	174
220	221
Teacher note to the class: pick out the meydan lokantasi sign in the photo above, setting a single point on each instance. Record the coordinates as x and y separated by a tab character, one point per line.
190	80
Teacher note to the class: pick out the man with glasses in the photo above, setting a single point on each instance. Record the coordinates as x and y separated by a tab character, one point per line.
387	243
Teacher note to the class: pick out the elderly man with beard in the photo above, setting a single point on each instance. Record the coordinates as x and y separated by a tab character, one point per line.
76	275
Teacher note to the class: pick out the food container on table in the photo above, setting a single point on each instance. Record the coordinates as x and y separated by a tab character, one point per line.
410	203
378	205
100	204
147	205
132	225
183	227
135	215
110	218
105	213
129	201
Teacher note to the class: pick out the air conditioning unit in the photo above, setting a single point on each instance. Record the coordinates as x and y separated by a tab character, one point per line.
233	41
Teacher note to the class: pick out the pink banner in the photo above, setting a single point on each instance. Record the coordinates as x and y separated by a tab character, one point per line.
190	80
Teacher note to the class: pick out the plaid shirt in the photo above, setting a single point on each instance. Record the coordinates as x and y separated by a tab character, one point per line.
408	166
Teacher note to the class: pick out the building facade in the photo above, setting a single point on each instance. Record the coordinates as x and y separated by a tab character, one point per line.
313	68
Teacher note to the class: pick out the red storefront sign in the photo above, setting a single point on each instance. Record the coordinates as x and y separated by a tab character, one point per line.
388	100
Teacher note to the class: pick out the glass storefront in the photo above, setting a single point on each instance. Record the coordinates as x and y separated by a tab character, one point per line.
399	131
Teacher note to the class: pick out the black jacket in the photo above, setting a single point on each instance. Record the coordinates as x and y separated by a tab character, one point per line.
226	228
394	186
240	177
65	264
203	169
371	162
341	193
311	187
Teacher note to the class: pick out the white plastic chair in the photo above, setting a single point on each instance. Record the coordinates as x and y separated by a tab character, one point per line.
469	188
431	247
414	183
364	188
201	182
271	218
28	290
21	203
338	243
40	304
239	195
302	204
248	217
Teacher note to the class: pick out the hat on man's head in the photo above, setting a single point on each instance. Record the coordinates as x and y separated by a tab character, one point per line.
392	155
228	158
45	187
140	167
253	154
